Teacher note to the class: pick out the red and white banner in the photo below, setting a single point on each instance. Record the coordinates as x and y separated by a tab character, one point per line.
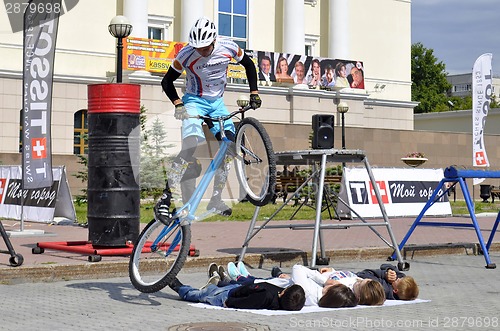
40	32
481	95
404	191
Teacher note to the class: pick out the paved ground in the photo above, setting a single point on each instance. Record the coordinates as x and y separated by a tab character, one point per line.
60	290
464	296
223	240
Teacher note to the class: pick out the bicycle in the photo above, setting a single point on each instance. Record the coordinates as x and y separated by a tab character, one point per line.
161	249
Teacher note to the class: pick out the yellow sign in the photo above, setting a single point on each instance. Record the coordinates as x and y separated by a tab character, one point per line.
149	54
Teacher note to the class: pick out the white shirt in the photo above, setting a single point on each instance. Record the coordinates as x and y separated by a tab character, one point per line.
207	76
280	282
311	281
348	278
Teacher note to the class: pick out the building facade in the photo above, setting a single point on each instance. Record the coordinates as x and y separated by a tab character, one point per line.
336	29
86	53
461	85
456	121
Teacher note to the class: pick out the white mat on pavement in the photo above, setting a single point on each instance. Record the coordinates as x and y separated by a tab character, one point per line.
308	309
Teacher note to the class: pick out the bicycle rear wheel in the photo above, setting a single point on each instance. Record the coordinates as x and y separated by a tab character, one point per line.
255	162
158	255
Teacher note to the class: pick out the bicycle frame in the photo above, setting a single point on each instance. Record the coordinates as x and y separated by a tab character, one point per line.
186	212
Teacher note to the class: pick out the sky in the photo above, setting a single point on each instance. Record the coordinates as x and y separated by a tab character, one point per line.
458	31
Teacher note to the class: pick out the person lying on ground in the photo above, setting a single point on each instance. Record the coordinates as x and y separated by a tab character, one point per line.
253	296
397	285
367	291
329	296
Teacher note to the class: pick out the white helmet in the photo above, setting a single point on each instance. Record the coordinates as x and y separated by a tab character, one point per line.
203	33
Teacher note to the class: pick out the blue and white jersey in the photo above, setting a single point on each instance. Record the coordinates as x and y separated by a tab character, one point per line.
348	278
338	275
206	77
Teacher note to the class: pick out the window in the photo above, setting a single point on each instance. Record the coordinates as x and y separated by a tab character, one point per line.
233	20
158	27
310	44
81	129
155	33
462	88
308	50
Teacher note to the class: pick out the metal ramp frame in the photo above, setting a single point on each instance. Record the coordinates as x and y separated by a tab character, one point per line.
15	259
319	158
454	176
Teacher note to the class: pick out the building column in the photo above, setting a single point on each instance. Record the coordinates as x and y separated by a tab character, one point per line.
293	27
191	10
137	13
338	37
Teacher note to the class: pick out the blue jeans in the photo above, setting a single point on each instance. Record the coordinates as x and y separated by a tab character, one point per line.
213	295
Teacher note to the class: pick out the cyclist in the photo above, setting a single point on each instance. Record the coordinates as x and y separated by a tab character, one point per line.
205	59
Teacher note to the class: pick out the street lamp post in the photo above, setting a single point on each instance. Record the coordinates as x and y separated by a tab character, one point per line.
120	28
343	108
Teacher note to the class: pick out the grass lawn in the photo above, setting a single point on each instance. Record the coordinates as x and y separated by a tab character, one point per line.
244	211
241	212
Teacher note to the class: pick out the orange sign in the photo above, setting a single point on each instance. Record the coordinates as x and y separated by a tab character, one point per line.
149	54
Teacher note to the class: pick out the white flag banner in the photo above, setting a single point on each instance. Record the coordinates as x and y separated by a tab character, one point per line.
481	95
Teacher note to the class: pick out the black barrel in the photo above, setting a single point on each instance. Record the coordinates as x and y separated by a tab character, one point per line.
113	189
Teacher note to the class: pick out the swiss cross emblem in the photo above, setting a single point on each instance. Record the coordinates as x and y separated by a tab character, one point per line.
39	146
2	188
384	194
480	159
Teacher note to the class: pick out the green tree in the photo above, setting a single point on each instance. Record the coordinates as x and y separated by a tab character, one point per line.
465	103
154	158
494	102
83	173
429	84
155	138
461	103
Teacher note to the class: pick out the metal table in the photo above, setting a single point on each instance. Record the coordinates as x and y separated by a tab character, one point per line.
319	158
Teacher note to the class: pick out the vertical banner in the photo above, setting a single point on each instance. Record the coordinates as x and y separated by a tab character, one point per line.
40	32
481	94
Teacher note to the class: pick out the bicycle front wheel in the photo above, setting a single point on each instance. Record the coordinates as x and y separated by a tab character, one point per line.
158	255
255	162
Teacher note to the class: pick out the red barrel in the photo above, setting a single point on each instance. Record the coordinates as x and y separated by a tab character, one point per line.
113	190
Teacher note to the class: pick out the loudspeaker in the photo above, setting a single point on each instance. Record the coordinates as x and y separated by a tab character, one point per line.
322	126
